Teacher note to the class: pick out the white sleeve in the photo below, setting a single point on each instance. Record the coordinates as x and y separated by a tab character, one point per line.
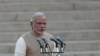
20	49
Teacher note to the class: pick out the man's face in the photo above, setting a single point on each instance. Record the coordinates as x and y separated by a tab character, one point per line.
39	25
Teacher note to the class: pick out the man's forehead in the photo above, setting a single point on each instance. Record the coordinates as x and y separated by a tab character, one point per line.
40	18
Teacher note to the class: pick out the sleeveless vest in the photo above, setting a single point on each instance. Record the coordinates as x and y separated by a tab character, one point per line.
33	47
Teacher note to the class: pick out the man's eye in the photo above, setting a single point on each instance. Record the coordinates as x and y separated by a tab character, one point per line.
39	23
44	23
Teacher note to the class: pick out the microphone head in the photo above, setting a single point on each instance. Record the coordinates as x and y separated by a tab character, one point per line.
55	40
40	42
59	39
45	41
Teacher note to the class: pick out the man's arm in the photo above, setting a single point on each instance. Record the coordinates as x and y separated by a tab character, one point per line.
20	49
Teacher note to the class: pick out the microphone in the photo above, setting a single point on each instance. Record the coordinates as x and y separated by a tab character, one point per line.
40	43
46	44
59	39
62	43
57	42
53	39
45	41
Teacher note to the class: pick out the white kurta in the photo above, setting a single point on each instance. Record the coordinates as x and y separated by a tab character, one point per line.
20	49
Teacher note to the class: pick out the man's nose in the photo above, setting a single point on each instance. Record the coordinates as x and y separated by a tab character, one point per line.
42	25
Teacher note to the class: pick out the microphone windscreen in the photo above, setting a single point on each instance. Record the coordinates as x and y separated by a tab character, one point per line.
40	42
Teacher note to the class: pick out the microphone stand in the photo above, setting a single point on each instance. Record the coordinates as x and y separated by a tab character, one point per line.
47	50
56	45
62	44
46	46
41	45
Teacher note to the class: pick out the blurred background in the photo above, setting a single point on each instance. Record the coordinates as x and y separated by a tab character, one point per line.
77	22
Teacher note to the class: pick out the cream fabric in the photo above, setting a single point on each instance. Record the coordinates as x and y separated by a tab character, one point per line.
22	45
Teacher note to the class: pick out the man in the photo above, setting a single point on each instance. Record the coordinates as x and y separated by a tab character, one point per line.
27	44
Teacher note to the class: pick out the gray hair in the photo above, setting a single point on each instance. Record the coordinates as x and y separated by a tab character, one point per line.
37	14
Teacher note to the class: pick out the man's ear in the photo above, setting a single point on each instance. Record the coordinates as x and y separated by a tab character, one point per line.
31	23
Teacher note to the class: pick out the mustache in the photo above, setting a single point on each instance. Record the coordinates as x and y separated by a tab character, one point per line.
42	29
